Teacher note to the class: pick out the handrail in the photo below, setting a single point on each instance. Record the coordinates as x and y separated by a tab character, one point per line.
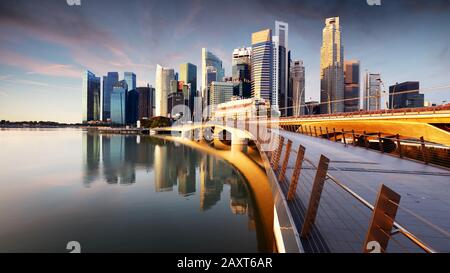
399	227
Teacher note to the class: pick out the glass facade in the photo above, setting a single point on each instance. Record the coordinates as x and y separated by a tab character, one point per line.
90	97
108	82
119	103
241	72
297	85
146	102
163	79
262	64
352	86
188	75
130	78
210	62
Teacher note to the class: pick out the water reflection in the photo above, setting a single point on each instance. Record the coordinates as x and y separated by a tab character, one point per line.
173	166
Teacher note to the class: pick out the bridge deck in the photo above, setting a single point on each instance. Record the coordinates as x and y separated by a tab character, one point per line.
342	222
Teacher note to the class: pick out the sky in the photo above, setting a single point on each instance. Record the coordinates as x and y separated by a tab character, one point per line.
46	44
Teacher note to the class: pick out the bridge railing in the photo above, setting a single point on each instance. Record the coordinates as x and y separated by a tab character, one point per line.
414	149
334	218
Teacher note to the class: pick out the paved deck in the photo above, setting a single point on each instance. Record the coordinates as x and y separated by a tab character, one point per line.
343	222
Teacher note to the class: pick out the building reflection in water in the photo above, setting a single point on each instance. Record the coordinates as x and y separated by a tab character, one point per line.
173	165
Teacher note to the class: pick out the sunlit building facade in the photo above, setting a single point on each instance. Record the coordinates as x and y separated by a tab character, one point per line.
262	65
220	92
188	75
372	92
90	97
211	65
163	79
241	74
332	68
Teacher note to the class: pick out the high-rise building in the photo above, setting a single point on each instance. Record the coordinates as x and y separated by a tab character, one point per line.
108	82
372	92
164	76
281	96
210	63
406	95
332	68
119	103
132	107
174	99
188	75
220	92
297	87
146	103
90	97
262	65
352	86
241	74
130	78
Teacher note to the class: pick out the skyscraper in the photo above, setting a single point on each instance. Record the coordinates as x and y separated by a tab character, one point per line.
221	92
405	95
90	97
163	78
130	78
108	82
332	68
174	99
210	62
241	74
119	103
132	107
372	92
281	96
297	85
188	75
351	86
146	102
262	65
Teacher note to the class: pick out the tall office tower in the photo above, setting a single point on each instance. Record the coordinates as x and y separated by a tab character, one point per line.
406	95
210	62
90	97
332	68
163	78
281	78
174	99
108	82
132	108
220	92
372	92
119	103
297	85
188	75
241	75
130	78
262	65
352	88
146	102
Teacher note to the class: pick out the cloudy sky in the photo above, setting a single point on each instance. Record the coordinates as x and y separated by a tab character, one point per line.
46	44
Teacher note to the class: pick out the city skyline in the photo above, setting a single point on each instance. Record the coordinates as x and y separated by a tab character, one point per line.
41	64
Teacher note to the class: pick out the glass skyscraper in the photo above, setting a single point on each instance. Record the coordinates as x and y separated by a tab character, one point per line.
352	86
372	92
130	78
146	102
332	68
90	97
188	75
262	65
281	96
210	63
241	72
297	85
119	103
108	82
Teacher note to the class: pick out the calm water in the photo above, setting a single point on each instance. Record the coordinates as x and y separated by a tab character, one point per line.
116	193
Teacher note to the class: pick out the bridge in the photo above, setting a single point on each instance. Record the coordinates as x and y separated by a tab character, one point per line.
342	190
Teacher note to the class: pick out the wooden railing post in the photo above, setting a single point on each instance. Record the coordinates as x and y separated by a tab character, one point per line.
301	128
354	137
335	135
277	155
383	219
316	193
315	131
310	131
296	173
343	136
328	135
366	140
282	175
399	146
424	150
321	134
